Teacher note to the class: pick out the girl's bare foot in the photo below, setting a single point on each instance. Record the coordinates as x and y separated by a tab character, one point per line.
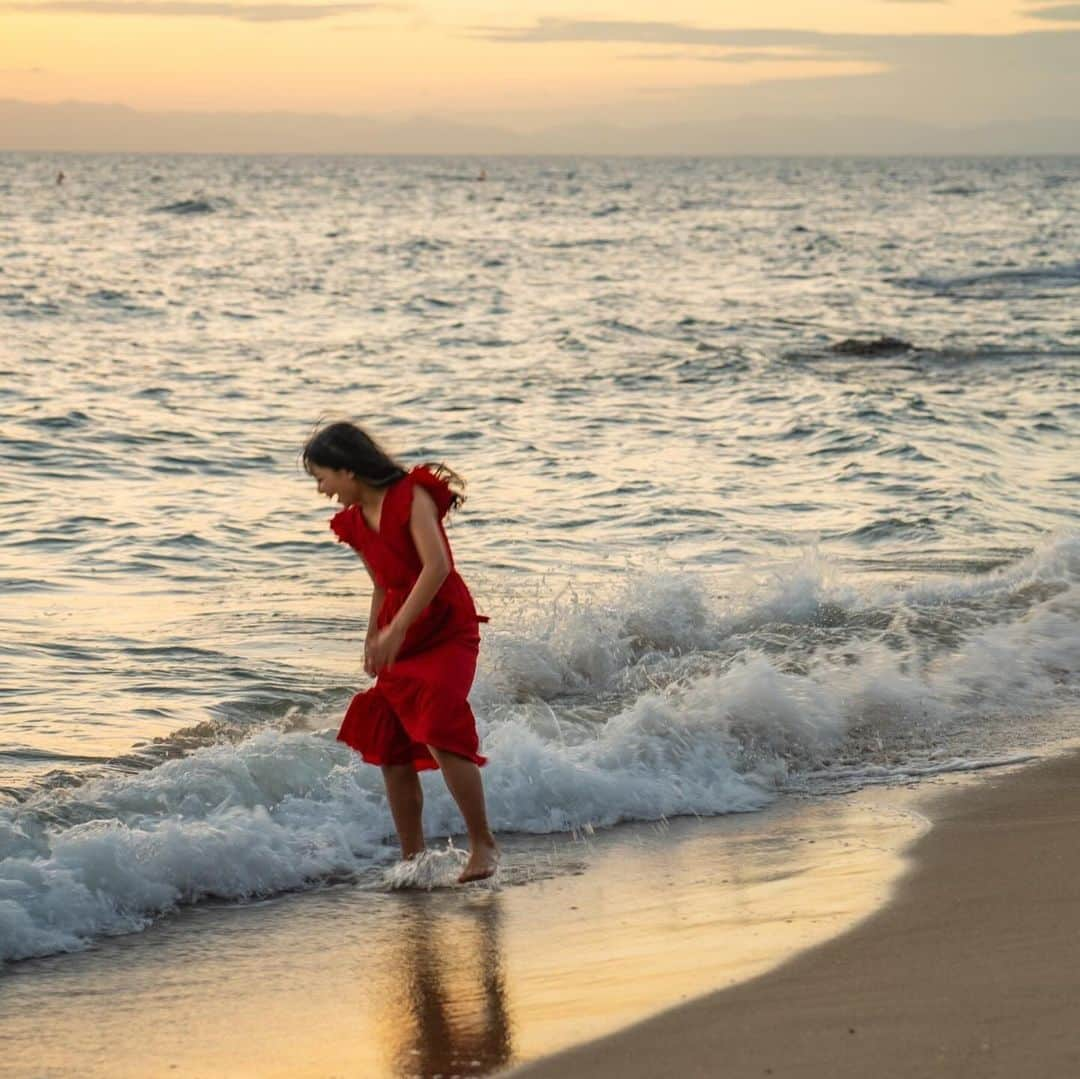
483	861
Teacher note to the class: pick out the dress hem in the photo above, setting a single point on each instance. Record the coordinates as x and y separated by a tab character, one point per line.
420	764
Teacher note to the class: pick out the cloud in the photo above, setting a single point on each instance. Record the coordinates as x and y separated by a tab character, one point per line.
956	77
937	79
1060	12
747	56
551	29
891	46
200	9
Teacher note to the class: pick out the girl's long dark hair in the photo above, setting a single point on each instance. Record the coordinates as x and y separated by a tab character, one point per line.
343	445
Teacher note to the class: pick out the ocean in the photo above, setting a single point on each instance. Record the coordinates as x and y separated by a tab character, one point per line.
772	493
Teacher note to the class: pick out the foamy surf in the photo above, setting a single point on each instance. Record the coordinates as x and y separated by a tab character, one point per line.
661	700
434	868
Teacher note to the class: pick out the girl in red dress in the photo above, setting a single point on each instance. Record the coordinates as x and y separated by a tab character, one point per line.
422	639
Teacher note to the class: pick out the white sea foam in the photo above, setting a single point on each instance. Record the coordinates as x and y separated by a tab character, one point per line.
660	701
434	868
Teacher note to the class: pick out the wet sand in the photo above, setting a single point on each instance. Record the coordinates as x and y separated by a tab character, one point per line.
973	970
585	937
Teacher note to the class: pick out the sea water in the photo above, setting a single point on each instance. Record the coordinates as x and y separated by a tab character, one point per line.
772	473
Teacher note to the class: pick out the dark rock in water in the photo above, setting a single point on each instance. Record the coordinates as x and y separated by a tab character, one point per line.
956	189
186	206
879	346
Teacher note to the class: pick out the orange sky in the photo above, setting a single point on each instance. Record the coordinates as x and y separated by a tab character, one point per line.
397	59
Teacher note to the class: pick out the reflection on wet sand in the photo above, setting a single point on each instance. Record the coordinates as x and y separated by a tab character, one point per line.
359	980
446	1011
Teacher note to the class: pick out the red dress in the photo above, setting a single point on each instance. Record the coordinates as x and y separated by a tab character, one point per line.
421	699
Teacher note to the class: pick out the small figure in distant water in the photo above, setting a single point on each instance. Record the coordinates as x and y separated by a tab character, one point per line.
59	177
482	176
423	633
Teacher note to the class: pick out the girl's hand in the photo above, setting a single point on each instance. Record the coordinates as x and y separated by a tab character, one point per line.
369	667
382	648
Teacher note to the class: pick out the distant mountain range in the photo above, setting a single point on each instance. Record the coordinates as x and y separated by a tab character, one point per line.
82	127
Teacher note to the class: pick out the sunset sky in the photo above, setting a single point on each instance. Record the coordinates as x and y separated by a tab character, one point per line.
528	64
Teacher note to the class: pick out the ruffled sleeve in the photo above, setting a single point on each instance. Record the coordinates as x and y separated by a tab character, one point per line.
438	488
343	525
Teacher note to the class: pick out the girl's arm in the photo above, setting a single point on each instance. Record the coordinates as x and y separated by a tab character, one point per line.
424	528
377	595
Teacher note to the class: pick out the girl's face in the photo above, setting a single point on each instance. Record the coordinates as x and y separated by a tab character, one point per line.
336	483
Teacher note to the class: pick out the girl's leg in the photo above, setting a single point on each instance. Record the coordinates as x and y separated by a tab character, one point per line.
406	800
467	788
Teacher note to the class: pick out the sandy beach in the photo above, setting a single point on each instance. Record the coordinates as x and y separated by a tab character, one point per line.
971	970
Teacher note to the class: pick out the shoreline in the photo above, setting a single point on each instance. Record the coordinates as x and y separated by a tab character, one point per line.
969	970
584	937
